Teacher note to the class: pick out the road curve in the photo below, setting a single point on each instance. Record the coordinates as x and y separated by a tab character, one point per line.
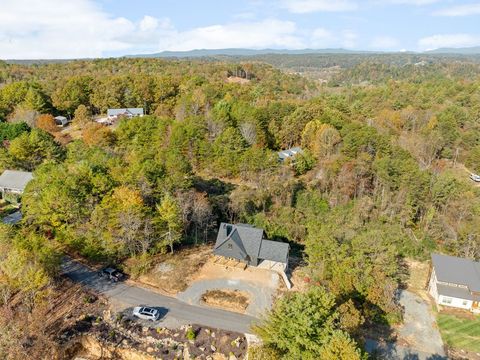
134	295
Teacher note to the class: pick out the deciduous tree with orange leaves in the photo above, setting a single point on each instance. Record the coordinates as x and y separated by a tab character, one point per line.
47	122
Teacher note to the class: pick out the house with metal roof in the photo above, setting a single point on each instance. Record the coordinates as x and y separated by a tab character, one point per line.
13	183
245	243
455	282
114	114
289	153
61	121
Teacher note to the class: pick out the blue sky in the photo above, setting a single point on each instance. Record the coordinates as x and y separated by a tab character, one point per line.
100	28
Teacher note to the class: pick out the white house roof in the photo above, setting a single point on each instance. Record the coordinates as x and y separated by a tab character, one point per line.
284	154
15	180
455	270
125	111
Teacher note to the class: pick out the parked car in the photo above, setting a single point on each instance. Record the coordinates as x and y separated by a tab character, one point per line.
111	274
475	177
146	313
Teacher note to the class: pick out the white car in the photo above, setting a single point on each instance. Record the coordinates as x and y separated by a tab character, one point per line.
475	177
146	313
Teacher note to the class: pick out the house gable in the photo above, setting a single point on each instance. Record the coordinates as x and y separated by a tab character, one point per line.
246	243
232	248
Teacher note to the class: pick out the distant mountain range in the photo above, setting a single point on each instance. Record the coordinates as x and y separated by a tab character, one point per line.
245	52
252	52
461	51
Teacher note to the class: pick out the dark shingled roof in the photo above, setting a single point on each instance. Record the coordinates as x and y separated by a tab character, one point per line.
274	250
455	270
456	292
249	241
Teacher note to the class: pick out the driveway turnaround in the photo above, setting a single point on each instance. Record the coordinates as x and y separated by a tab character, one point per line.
260	297
133	295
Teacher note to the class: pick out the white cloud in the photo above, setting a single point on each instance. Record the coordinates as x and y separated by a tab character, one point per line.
384	43
310	6
459	10
448	40
78	28
256	35
68	29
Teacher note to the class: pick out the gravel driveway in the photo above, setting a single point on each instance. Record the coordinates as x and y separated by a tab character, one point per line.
419	330
260	296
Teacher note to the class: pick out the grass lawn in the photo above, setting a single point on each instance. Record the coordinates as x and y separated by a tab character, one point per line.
460	333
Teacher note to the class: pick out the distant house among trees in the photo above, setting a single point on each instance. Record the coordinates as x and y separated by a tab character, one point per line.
61	120
455	282
289	153
13	183
245	243
114	114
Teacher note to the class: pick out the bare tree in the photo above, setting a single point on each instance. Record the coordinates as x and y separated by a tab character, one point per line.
249	132
202	215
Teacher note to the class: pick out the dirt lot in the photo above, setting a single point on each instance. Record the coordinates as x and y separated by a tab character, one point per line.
174	273
227	299
417	279
219	268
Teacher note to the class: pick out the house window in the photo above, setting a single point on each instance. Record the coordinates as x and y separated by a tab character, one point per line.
464	302
447	300
229	246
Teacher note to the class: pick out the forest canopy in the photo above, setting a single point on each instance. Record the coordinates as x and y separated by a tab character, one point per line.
383	175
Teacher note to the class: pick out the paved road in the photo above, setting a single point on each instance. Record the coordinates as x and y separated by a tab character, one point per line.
129	296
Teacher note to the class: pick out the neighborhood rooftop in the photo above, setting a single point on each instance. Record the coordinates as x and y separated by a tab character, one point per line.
454	270
132	111
285	154
15	180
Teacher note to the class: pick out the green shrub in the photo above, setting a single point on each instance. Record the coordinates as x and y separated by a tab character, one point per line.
190	334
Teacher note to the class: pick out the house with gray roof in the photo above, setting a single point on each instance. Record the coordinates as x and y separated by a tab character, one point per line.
246	243
289	153
61	121
13	183
455	282
114	114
